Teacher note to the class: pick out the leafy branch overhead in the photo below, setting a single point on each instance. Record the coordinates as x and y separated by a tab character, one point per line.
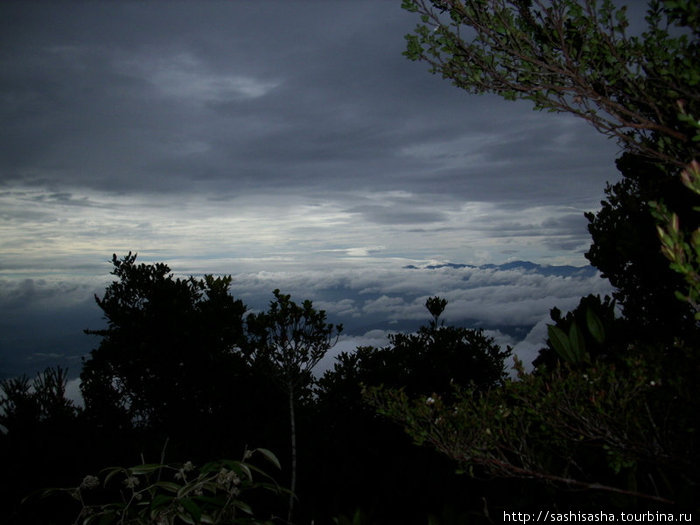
575	57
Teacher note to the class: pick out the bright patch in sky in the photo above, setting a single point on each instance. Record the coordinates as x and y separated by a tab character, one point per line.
304	231
186	77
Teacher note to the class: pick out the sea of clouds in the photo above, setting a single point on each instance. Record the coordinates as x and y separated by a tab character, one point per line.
43	319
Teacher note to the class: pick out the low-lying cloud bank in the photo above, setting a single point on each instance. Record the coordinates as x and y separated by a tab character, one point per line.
45	318
510	301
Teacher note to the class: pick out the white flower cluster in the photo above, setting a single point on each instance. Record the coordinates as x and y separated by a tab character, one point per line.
187	467
90	482
131	482
227	478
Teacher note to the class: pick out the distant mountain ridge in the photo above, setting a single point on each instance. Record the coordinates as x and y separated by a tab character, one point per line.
528	267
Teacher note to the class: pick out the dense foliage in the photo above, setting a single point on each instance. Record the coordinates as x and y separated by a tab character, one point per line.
627	430
625	247
612	405
214	493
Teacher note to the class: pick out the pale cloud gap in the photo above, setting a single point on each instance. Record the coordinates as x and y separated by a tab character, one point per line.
489	298
370	300
43	229
186	77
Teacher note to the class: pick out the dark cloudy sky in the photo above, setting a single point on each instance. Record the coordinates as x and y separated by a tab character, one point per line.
269	136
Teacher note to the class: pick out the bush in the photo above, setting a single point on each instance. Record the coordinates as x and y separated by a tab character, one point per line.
163	494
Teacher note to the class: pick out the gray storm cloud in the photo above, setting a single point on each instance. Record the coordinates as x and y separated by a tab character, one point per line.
288	143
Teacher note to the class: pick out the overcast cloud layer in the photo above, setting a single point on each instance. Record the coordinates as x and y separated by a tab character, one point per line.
286	137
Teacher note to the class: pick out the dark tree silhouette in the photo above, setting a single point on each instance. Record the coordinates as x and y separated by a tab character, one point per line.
609	343
41	443
431	360
25	404
169	358
625	248
290	339
434	360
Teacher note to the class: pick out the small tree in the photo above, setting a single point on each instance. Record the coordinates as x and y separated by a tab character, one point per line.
432	361
170	352
291	339
41	440
25	405
625	247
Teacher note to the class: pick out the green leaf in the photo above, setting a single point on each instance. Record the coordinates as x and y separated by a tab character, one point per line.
212	466
243	506
160	500
595	326
577	342
107	518
358	517
243	468
168	485
191	507
560	342
409	5
270	456
46	493
104	518
113	472
145	469
217	501
413	48
186	518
